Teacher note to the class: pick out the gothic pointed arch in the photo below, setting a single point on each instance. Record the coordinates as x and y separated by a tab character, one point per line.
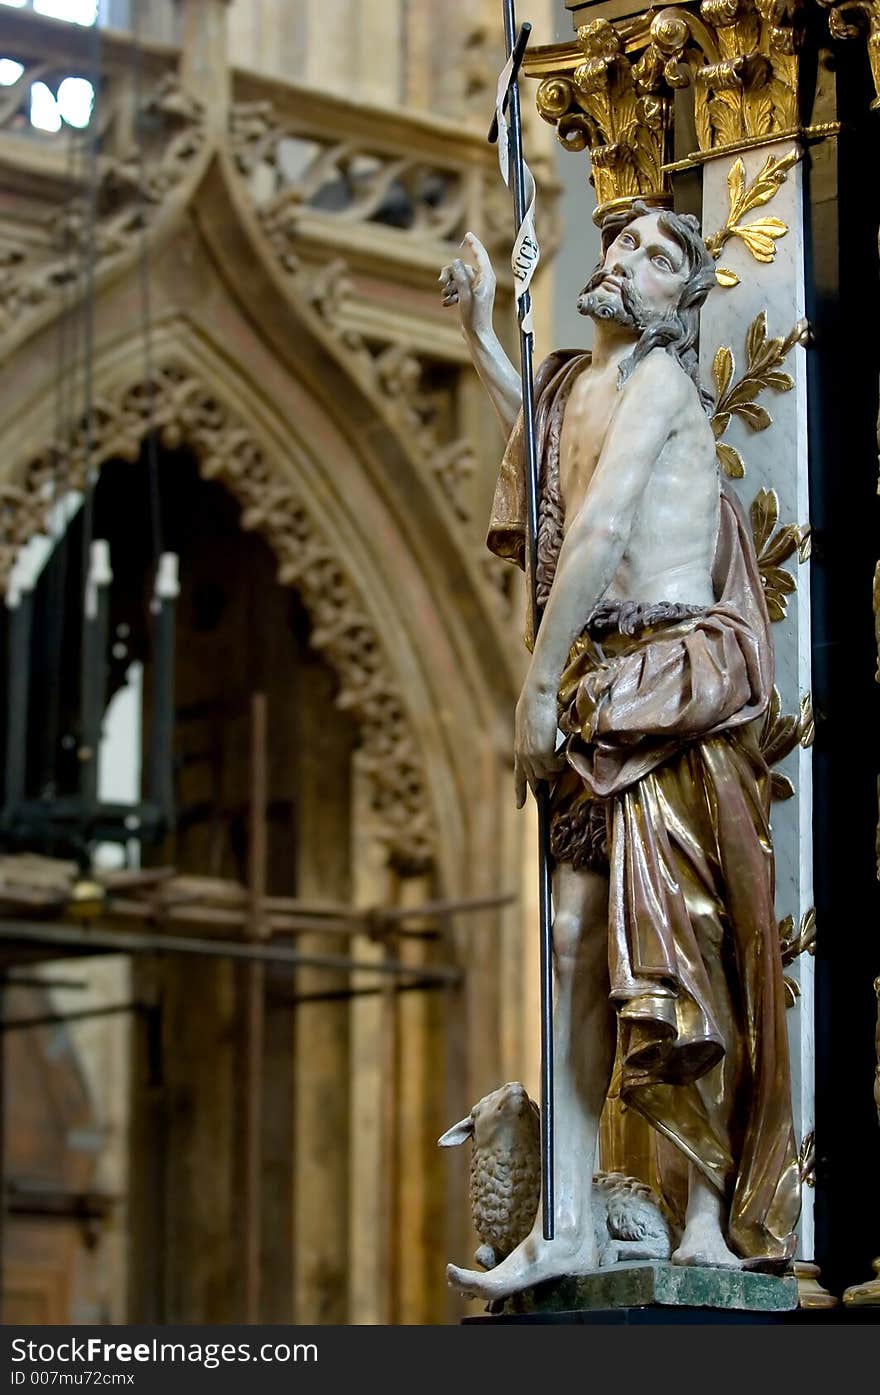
186	410
423	652
374	386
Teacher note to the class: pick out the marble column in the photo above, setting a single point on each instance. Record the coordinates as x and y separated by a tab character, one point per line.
772	457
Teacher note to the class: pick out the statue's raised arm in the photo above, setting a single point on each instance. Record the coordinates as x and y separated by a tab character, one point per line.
471	286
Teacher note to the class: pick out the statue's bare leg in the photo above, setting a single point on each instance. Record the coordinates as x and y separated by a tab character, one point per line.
702	1241
583	1040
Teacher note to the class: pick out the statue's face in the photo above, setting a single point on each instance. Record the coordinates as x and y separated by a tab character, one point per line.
652	264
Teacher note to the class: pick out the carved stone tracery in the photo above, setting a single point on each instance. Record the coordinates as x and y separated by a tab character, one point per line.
292	169
129	191
394	376
185	410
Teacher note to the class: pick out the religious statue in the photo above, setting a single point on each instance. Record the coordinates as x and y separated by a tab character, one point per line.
651	663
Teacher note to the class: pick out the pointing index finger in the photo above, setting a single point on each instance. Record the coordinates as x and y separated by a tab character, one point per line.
481	256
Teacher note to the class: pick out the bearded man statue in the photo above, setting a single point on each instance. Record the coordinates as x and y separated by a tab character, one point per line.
652	661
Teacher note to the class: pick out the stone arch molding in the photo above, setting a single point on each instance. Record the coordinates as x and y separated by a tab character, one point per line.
185	410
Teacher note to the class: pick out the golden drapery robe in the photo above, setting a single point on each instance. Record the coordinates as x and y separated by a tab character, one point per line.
660	724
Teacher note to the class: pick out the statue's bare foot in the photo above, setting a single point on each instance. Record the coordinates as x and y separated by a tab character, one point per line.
533	1262
703	1244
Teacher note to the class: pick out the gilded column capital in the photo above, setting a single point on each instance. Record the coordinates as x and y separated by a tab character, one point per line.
742	59
849	19
617	103
611	91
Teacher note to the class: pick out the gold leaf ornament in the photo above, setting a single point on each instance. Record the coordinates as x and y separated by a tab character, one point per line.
764	514
779	734
730	460
773	546
808	932
780	787
792	945
777	737
736	397
756	337
755	416
722	370
760	237
805	543
807	724
736	184
761	234
807	1159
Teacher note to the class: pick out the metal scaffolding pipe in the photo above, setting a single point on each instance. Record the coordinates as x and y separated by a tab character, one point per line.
85	940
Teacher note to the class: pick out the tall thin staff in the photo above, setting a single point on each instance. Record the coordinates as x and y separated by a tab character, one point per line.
542	793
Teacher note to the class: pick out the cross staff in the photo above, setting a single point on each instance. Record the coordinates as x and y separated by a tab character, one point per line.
525	257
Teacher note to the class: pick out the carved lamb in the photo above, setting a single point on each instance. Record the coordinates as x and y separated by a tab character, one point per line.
506	1186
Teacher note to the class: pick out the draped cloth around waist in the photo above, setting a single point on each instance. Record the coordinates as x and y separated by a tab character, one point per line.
693	947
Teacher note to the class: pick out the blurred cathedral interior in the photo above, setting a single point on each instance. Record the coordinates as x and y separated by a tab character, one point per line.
267	908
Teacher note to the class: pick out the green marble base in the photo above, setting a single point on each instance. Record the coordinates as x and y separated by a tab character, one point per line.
649	1282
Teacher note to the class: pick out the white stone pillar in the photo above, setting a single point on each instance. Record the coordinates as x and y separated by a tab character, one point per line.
775	458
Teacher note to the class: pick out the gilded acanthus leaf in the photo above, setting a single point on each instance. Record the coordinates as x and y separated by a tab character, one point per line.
724	111
618	104
758	111
805	545
703	125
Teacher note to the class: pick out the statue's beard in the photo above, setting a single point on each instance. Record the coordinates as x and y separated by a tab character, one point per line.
629	309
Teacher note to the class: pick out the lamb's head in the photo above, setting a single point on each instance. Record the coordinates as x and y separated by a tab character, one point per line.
505	1121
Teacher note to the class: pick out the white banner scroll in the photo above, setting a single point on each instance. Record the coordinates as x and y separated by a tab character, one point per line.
526	253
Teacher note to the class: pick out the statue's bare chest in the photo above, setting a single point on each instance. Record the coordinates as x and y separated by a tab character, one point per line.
587	415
